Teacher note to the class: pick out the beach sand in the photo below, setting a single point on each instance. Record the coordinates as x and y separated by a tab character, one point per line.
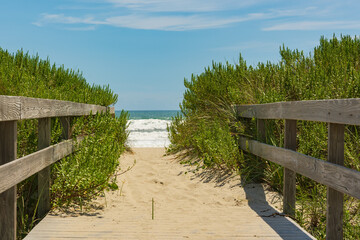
179	191
188	204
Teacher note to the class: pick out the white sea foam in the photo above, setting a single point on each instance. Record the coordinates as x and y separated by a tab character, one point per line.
148	133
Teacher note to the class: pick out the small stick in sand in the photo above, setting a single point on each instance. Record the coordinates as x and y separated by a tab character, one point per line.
152	212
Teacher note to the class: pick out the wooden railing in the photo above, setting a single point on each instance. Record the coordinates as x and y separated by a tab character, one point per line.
339	179
13	170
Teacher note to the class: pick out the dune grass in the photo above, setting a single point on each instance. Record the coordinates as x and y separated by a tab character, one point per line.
208	127
84	174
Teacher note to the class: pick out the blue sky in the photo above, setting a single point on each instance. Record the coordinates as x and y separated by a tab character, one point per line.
145	48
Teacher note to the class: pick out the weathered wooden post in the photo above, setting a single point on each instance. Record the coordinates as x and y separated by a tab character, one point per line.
44	139
8	146
289	188
261	137
112	111
66	126
261	130
334	213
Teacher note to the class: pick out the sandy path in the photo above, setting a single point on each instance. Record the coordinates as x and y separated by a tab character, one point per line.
187	206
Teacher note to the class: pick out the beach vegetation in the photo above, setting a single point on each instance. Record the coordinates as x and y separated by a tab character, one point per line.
208	127
84	174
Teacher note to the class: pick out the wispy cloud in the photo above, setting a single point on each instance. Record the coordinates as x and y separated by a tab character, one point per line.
61	18
185	15
170	23
164	15
190	21
314	25
139	21
164	22
183	5
86	28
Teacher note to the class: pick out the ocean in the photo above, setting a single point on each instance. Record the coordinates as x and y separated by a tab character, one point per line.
148	128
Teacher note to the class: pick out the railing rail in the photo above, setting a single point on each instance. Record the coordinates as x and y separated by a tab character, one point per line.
342	111
342	179
13	170
332	173
20	108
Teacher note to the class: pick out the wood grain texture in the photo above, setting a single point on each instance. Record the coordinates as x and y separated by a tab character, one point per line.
18	170
44	133
261	130
334	213
112	111
8	144
261	136
41	108
289	188
66	127
19	108
244	224
44	140
9	108
343	111
337	177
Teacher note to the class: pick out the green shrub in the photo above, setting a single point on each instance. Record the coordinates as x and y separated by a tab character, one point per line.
24	75
331	71
82	175
86	172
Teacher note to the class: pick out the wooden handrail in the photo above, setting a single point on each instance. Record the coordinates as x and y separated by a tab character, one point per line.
18	170
343	111
12	170
14	108
332	173
342	179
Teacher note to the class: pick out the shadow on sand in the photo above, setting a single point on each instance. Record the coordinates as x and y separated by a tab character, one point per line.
89	210
284	226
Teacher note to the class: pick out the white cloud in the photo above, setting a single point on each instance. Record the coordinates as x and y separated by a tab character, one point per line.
314	25
172	15
170	23
61	18
87	28
166	21
183	5
137	21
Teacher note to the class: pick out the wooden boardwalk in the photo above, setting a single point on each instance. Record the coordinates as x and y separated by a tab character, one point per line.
197	205
200	205
214	224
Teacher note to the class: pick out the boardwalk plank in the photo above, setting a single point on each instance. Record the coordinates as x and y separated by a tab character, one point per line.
344	111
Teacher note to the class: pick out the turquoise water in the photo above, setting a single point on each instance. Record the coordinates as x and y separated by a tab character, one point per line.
150	114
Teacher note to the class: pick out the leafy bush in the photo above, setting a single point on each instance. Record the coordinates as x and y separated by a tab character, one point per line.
79	177
211	141
82	175
331	71
29	76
